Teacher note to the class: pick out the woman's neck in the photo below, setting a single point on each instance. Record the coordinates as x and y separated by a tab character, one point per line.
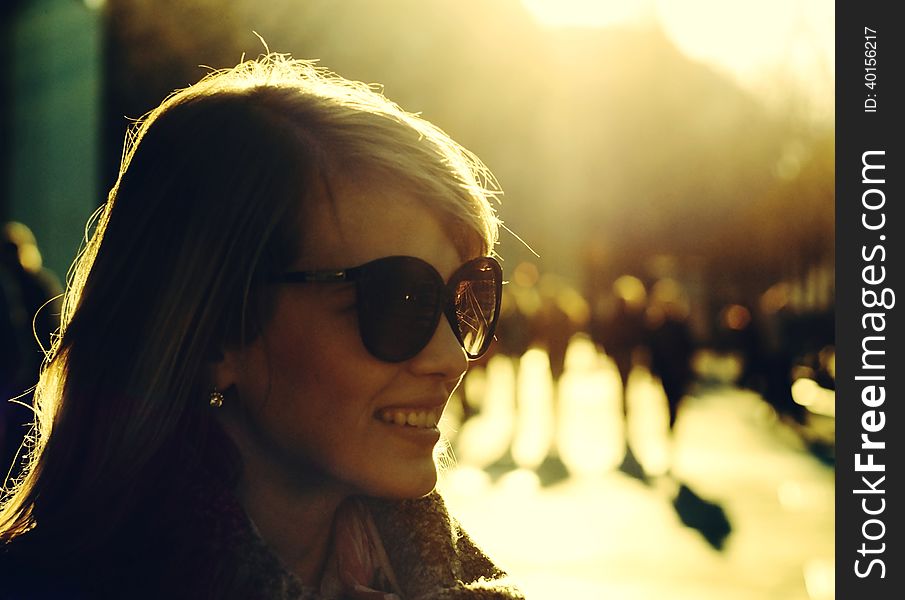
296	520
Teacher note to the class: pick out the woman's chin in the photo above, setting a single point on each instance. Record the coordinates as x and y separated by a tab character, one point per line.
411	483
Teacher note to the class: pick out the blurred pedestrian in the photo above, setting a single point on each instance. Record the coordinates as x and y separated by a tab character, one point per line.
619	328
670	342
563	312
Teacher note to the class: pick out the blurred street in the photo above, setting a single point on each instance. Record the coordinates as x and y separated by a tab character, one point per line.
761	505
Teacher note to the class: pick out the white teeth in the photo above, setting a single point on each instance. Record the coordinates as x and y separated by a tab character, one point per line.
412	418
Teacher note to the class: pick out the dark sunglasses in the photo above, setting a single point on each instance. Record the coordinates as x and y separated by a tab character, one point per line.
400	300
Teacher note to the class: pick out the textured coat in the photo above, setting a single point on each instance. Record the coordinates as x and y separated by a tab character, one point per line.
214	551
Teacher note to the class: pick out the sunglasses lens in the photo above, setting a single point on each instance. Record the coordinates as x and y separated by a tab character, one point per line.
401	299
399	307
477	293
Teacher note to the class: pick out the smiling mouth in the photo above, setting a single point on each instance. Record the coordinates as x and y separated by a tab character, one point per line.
418	419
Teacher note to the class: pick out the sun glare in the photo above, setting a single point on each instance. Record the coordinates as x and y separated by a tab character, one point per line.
764	45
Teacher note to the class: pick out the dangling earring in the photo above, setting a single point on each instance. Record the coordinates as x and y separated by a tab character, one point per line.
216	398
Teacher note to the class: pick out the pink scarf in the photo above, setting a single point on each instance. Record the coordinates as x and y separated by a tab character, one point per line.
357	567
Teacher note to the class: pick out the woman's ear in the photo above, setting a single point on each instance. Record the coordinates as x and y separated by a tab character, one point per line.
224	367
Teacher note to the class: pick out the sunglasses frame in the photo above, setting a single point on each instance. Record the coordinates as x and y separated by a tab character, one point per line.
361	275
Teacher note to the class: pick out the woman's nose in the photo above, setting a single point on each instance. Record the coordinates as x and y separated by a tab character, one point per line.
443	355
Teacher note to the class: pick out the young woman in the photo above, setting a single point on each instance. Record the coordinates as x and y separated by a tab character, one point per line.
279	296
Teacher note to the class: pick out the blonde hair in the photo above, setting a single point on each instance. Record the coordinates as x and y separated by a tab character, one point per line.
207	204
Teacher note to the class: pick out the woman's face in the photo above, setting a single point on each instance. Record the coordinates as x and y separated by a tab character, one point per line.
313	405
